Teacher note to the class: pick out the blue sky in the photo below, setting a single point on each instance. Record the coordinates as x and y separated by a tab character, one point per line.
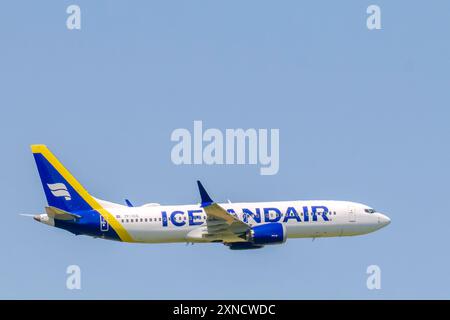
363	116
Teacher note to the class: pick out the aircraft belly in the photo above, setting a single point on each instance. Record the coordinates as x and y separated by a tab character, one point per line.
311	230
159	235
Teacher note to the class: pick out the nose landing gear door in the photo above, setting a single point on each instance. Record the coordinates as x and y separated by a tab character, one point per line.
351	214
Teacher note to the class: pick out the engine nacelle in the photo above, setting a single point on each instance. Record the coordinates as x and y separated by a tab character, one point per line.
269	233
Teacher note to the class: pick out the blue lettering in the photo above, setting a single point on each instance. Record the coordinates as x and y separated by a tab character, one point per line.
291	213
255	216
193	217
267	215
173	219
164	218
270	215
323	212
305	214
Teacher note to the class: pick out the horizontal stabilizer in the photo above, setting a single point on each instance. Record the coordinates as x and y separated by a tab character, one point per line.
59	214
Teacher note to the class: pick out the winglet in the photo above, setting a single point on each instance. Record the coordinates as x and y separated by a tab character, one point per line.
206	199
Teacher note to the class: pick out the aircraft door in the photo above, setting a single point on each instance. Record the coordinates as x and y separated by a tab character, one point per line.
351	214
104	226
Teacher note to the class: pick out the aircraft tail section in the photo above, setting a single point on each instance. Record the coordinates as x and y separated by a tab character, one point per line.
68	201
61	188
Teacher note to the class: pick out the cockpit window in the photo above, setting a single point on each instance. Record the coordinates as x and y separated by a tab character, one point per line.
370	210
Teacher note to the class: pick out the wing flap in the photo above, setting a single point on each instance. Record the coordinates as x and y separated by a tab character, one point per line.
216	212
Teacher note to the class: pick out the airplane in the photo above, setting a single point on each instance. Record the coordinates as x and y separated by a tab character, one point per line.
239	226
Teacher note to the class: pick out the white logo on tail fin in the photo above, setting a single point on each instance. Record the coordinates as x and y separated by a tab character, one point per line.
59	190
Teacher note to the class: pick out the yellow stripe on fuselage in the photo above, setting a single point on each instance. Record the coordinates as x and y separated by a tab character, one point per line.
118	228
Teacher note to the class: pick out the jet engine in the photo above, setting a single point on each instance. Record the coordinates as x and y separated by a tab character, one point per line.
269	233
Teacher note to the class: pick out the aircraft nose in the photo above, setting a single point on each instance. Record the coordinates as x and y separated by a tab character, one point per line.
37	218
383	219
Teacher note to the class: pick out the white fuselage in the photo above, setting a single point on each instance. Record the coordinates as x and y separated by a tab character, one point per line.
303	219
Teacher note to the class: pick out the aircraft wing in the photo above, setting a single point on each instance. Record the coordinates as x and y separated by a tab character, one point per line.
220	224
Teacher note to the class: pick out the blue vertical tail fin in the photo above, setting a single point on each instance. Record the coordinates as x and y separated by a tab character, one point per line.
65	193
62	190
